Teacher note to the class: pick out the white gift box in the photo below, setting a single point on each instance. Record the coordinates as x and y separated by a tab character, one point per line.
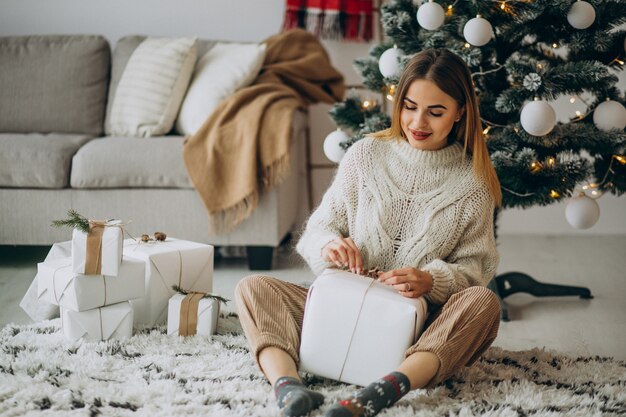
111	251
38	309
186	264
357	329
208	312
58	284
110	322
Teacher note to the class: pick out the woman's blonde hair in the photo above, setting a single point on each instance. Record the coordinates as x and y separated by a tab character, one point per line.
450	73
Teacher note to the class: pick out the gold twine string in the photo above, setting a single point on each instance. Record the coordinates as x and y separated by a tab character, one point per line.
104	283
354	329
54	285
101	331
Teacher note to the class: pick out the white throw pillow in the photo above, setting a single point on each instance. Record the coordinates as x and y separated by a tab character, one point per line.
152	87
224	69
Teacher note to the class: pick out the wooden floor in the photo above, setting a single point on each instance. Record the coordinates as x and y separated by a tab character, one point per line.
568	324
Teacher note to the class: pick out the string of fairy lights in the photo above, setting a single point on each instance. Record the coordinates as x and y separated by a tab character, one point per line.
537	117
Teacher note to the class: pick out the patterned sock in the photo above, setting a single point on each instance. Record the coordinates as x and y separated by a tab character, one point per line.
370	400
294	399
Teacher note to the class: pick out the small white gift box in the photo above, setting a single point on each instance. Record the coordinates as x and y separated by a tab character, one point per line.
106	256
357	329
105	323
186	264
200	319
58	284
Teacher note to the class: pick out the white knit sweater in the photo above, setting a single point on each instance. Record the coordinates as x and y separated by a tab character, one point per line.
406	207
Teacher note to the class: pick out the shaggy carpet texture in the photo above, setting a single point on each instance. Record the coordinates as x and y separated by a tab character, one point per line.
151	374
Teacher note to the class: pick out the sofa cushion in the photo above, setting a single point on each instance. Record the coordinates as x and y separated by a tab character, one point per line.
122	53
37	160
53	83
121	162
152	87
223	70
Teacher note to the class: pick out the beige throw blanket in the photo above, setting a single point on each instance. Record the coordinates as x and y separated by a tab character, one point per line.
242	149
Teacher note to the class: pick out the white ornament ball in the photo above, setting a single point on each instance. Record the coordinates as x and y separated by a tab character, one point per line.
389	64
478	31
430	15
610	115
582	212
538	118
332	150
581	15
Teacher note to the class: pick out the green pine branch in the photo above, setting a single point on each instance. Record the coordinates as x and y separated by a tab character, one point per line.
213	296
74	220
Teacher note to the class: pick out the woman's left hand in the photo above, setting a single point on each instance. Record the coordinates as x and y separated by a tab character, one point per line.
409	282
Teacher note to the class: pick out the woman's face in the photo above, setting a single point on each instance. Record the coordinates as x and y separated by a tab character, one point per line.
428	115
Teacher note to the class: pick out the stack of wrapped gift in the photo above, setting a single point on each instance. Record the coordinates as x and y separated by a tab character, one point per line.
178	263
92	286
356	329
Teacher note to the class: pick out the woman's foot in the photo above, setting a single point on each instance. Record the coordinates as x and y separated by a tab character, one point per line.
294	399
370	400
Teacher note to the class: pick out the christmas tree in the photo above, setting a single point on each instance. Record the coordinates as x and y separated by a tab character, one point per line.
523	55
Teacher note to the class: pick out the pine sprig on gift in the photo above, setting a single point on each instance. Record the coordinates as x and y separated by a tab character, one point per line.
213	296
75	220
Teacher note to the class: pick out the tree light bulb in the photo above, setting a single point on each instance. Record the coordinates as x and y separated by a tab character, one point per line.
535	167
554	194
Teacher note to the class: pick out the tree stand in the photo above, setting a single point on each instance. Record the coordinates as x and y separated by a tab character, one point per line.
512	282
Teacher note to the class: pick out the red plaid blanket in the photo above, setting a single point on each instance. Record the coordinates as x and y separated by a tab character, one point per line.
332	19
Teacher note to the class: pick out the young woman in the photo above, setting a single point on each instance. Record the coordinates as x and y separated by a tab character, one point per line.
416	201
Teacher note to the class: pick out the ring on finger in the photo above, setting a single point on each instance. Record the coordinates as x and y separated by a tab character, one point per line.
408	287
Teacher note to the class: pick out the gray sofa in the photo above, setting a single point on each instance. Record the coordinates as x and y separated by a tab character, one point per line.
55	154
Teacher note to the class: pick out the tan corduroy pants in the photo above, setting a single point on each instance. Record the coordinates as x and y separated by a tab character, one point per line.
271	313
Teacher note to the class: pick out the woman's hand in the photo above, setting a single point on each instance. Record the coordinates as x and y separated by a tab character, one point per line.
343	252
409	282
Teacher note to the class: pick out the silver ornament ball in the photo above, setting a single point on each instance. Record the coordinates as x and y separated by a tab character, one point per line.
581	15
478	31
332	148
610	115
582	212
430	15
389	64
538	118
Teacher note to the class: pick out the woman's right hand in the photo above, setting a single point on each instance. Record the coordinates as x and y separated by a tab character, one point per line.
343	252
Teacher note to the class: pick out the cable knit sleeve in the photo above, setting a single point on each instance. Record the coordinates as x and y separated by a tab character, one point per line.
330	220
474	260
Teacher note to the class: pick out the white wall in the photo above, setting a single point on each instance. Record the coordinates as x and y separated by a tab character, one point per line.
252	20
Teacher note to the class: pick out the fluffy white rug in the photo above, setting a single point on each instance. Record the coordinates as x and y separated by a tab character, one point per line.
41	373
